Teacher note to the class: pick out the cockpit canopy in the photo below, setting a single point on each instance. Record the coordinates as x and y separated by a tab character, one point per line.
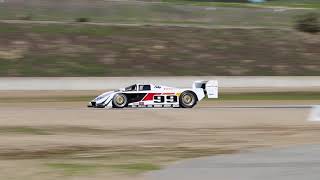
131	88
140	87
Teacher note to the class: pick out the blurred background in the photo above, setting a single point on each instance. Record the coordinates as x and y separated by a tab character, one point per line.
159	38
56	55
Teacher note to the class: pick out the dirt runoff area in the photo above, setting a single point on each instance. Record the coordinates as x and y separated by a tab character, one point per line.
60	138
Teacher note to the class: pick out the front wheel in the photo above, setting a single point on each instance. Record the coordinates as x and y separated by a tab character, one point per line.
119	101
187	99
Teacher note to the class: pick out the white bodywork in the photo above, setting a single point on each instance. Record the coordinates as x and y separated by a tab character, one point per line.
151	95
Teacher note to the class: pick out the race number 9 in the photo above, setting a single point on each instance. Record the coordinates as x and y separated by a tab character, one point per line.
162	99
158	99
172	99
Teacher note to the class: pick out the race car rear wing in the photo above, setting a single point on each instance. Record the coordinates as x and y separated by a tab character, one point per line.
210	87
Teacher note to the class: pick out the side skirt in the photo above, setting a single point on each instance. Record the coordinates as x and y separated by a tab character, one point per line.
155	106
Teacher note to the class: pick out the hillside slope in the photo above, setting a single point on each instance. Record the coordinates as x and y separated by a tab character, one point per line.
89	50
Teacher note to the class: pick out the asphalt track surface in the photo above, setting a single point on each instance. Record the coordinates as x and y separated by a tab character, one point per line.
168	108
294	163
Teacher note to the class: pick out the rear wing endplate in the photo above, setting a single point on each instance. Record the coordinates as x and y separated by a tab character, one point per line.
210	87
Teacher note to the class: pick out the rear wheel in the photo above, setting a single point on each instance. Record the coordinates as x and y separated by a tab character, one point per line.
188	99
119	101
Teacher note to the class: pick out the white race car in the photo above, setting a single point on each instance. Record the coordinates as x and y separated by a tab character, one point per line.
151	95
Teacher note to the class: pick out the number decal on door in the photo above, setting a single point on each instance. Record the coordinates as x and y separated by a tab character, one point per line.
158	99
167	99
172	99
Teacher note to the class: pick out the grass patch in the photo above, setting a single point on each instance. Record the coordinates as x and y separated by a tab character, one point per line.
75	29
282	3
71	169
295	3
210	3
74	168
23	130
136	167
270	96
181	11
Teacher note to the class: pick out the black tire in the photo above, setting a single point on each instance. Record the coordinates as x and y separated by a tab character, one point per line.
119	100
188	99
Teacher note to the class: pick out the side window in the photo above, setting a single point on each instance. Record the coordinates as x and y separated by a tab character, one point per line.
144	87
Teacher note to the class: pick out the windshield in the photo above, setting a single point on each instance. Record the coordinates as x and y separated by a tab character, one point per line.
131	88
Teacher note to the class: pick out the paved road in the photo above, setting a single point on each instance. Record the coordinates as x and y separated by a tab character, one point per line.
84	108
295	163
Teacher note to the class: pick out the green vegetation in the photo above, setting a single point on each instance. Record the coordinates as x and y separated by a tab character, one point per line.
71	169
23	130
295	3
243	41
82	19
175	12
210	3
91	50
309	23
271	3
129	160
136	167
